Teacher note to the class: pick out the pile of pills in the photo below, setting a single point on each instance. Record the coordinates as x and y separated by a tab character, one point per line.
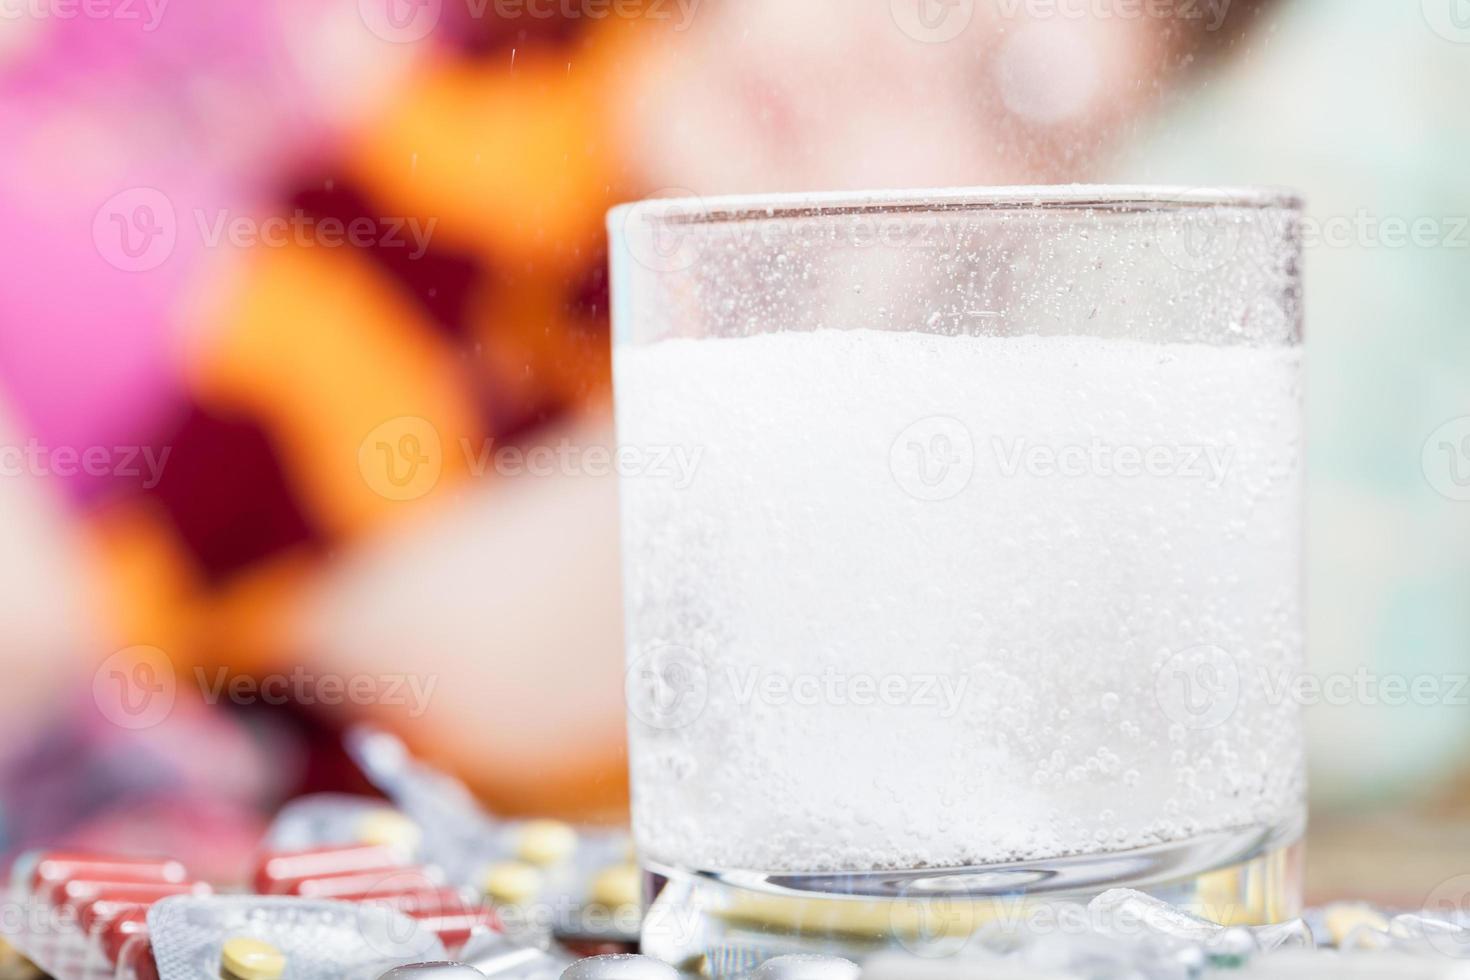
427	886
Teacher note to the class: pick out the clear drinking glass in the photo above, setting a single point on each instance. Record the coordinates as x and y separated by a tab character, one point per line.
981	577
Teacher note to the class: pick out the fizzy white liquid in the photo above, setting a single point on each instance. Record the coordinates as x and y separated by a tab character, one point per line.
936	601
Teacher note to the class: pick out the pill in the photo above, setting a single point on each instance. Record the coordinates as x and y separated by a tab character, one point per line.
14	966
545	842
278	871
620	966
389	828
381	881
512	882
1343	918
59	866
124	926
616	886
244	958
806	966
433	971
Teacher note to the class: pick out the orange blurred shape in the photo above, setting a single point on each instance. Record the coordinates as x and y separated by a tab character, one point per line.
512	160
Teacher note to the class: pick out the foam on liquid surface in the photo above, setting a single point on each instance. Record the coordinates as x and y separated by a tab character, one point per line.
1024	617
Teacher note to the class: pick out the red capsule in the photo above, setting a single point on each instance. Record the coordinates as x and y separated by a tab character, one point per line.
113	900
380	881
60	866
123	928
280	871
79	891
140	957
99	913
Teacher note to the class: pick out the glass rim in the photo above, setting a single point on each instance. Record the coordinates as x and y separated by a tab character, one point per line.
1120	198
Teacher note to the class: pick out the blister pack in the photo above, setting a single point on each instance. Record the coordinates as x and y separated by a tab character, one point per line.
547	878
338	819
253	937
82	916
378	874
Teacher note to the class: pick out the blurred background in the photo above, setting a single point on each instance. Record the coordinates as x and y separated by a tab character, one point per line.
305	312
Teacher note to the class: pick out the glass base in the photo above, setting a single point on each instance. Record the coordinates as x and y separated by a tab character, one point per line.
723	924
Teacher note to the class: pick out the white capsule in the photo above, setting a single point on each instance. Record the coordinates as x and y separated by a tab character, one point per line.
806	966
620	966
